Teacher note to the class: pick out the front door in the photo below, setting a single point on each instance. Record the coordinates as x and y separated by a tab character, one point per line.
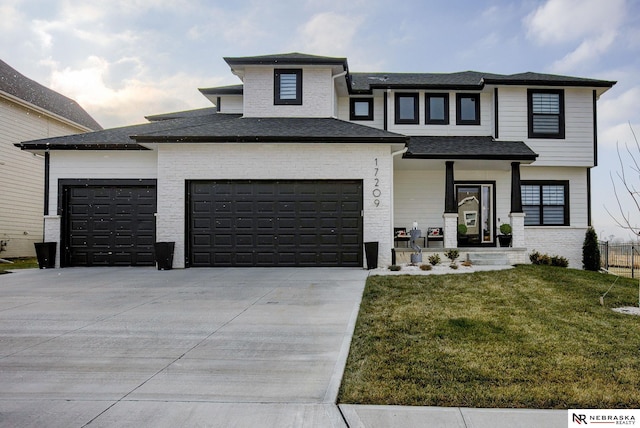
475	214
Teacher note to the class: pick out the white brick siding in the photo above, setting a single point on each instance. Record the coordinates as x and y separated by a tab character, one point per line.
178	163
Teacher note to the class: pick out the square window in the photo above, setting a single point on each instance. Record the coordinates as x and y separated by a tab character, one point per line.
406	106
287	87
546	113
361	109
437	109
467	109
545	203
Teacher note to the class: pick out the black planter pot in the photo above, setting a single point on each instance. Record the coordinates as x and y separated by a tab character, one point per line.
371	252
46	254
164	255
505	240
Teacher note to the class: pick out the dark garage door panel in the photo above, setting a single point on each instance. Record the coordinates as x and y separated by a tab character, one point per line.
275	223
110	225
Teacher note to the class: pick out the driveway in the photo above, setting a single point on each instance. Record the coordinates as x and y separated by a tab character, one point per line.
197	347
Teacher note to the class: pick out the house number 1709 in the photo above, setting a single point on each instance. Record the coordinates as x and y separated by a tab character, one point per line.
376	186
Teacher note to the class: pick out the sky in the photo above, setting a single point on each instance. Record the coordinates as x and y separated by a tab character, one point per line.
126	59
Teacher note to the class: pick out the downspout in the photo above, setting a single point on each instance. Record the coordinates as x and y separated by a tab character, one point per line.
392	210
333	94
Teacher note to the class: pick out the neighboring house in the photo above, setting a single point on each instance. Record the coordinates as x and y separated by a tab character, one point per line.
306	161
28	111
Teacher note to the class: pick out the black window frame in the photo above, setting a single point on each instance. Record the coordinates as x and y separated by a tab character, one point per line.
276	86
352	109
459	120
541	184
427	108
561	115
416	108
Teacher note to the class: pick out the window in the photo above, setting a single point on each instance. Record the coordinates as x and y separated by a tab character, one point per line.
468	109
545	203
361	109
437	109
287	87
546	113
406	106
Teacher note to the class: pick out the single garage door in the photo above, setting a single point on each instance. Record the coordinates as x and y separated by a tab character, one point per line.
109	223
275	223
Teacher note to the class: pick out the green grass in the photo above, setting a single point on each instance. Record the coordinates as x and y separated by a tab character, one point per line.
19	263
530	337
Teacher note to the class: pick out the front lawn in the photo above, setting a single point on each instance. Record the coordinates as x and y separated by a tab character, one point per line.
530	337
19	263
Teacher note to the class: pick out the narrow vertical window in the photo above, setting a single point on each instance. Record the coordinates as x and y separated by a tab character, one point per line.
406	106
546	113
467	109
437	109
287	87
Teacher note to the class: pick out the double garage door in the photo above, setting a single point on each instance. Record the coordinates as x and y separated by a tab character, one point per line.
229	223
275	223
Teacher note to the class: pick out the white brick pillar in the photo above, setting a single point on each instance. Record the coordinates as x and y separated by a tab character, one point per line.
52	224
450	230
517	230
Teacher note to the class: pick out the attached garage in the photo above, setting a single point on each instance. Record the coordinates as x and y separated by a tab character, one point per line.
274	223
108	222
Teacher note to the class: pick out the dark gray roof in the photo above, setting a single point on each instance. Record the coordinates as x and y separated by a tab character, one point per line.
22	87
365	82
219	128
293	58
181	114
480	147
223	90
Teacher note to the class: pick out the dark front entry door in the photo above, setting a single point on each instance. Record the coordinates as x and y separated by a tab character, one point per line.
476	214
275	223
110	224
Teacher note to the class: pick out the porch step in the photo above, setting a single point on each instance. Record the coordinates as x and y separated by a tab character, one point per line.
488	259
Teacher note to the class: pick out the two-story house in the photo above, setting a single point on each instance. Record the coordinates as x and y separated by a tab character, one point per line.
28	111
305	161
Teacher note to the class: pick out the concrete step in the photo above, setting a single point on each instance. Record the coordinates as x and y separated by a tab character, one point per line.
488	259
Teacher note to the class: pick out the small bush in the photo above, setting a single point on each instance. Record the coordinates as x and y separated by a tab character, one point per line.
462	229
434	259
452	254
591	251
544	259
505	229
395	268
453	266
426	267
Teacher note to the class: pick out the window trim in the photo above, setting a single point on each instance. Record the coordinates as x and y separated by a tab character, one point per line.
416	108
276	86
427	108
561	115
541	183
459	120
352	109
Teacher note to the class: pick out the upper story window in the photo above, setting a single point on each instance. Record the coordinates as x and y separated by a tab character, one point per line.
436	109
361	109
287	87
406	107
546	113
467	109
545	203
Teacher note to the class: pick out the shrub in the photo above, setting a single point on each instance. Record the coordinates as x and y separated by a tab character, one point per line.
466	263
434	259
452	254
453	266
395	268
462	229
544	259
591	251
426	267
559	261
505	229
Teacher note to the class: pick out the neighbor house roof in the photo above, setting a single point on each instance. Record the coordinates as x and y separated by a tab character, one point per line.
480	147
14	83
219	128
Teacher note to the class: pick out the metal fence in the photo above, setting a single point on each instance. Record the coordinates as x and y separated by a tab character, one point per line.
621	259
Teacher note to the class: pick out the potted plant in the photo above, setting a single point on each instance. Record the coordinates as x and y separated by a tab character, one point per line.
463	239
505	235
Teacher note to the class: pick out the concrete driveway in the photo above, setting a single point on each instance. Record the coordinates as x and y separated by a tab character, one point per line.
197	347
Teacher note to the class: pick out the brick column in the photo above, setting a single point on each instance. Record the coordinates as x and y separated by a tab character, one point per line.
450	230
517	230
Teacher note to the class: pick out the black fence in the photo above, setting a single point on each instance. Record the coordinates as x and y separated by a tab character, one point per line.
621	259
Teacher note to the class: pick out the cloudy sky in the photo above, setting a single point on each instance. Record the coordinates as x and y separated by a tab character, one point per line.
124	59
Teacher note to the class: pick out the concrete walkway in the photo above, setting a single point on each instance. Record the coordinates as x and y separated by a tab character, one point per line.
199	347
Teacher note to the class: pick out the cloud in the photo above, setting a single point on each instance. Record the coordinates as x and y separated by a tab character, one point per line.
328	33
588	50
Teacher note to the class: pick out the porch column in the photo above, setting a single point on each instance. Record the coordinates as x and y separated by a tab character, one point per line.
450	215
516	215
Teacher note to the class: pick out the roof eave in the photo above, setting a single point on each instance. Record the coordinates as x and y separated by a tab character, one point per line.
79	146
268	139
527	82
448	156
